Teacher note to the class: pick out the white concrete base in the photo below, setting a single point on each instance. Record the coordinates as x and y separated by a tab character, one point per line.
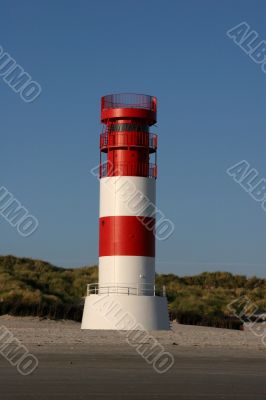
123	312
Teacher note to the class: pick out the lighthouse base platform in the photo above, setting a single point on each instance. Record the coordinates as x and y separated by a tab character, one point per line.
123	312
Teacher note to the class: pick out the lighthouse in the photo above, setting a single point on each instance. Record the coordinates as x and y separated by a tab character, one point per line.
127	217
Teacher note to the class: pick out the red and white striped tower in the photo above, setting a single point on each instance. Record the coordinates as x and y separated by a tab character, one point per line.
127	215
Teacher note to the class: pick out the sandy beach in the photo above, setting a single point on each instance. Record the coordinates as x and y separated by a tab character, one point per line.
35	332
209	363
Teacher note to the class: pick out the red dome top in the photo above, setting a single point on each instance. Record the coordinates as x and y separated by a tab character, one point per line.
128	106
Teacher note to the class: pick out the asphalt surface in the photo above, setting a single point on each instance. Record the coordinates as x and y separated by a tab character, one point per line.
127	376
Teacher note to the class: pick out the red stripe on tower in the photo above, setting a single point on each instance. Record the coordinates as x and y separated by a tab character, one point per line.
127	236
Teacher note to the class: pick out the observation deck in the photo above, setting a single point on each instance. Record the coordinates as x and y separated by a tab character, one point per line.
129	106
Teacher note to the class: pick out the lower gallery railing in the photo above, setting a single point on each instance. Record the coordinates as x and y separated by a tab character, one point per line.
136	290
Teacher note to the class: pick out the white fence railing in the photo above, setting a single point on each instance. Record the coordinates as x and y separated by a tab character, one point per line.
136	290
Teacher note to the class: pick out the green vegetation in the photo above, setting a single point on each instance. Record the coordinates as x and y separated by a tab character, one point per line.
203	299
34	287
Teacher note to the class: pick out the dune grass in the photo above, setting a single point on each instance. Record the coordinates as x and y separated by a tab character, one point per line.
35	287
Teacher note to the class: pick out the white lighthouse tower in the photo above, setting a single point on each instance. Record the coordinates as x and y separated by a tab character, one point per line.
127	221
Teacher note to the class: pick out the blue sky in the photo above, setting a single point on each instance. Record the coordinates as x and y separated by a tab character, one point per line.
211	115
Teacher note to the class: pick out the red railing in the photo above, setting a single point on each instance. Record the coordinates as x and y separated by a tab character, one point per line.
148	170
129	100
125	139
